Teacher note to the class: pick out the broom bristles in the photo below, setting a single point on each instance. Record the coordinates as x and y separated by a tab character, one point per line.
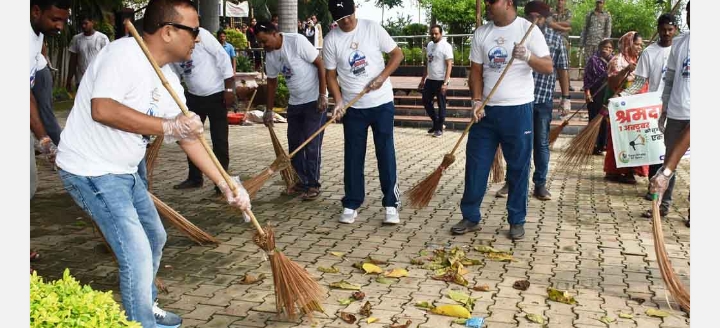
254	184
672	282
498	167
188	228
580	150
289	175
555	132
151	155
295	289
420	195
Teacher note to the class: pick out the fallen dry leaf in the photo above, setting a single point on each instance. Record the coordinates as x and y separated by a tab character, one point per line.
358	295
452	310
250	279
338	254
607	320
347	317
403	325
486	249
639	300
481	288
460	321
396	273
452	277
366	309
625	315
374	261
386	281
656	313
424	305
345	285
560	296
371	320
499	257
346	301
329	270
536	318
462	298
417	262
371	268
521	285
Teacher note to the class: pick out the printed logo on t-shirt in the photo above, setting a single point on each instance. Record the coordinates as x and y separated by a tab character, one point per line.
32	77
686	68
287	72
187	66
430	58
498	57
358	62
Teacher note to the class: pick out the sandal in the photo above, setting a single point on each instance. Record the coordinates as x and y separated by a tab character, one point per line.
295	190
311	194
663	213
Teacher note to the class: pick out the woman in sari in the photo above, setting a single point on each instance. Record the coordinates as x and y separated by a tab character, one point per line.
594	84
620	76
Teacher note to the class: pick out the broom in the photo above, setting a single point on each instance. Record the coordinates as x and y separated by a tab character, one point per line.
254	184
176	219
288	174
498	170
294	287
555	132
672	282
580	149
421	194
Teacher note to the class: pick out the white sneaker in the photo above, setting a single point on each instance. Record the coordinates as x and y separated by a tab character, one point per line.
391	216
348	216
565	104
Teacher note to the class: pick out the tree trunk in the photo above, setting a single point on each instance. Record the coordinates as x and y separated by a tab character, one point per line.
478	13
287	16
210	15
382	16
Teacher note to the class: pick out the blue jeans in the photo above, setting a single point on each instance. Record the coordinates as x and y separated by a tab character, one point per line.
303	120
511	127
542	115
355	129
121	207
431	90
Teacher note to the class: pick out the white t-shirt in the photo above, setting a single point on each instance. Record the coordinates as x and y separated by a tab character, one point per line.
86	48
294	60
209	66
679	61
120	72
652	65
492	47
36	42
437	55
357	57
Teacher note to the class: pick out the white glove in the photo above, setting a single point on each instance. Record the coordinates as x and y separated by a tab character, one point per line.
477	113
48	148
521	52
183	127
661	122
322	103
240	198
339	109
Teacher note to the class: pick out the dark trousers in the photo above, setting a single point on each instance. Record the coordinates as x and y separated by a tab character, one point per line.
542	115
43	92
512	128
355	129
212	106
673	131
594	109
430	91
303	120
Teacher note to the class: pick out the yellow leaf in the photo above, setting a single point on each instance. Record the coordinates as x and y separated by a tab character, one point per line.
329	270
338	254
452	310
371	268
625	315
371	320
536	318
656	313
396	273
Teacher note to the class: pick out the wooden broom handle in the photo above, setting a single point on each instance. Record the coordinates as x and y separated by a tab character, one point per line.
251	101
598	91
332	120
185	111
492	92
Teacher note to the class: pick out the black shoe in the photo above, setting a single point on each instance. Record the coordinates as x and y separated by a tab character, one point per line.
649	196
217	191
517	231
664	211
188	184
464	226
542	193
431	131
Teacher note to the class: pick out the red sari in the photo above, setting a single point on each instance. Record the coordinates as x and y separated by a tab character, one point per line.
616	65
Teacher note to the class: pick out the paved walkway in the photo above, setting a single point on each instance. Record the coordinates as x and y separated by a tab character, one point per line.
589	239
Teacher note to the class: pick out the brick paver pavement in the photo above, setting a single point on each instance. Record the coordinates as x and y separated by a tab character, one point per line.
589	239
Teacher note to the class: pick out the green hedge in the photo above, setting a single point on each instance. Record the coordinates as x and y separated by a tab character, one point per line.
64	303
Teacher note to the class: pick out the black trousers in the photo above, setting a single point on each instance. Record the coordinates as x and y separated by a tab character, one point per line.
594	109
213	107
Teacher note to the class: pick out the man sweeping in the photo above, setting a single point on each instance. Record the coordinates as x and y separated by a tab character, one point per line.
121	99
436	78
210	81
507	119
353	55
293	56
651	69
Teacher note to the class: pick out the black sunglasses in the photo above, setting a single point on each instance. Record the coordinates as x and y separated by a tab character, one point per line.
194	31
492	2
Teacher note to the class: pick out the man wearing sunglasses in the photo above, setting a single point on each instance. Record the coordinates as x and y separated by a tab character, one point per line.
120	100
507	118
210	82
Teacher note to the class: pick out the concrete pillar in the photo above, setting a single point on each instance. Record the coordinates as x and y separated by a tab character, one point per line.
288	16
210	15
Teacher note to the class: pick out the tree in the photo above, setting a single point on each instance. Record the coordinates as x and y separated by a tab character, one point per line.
456	16
390	4
395	26
627	15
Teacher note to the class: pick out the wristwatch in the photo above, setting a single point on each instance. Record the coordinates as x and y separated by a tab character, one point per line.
667	172
229	90
446	83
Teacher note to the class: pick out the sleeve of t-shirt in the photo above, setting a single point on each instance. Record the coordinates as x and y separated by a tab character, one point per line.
105	42
222	60
306	50
537	44
232	51
73	45
271	66
387	44
329	52
476	51
114	79
168	108
672	61
643	67
448	52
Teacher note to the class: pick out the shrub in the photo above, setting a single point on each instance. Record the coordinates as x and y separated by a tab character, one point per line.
236	38
64	303
244	64
282	95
